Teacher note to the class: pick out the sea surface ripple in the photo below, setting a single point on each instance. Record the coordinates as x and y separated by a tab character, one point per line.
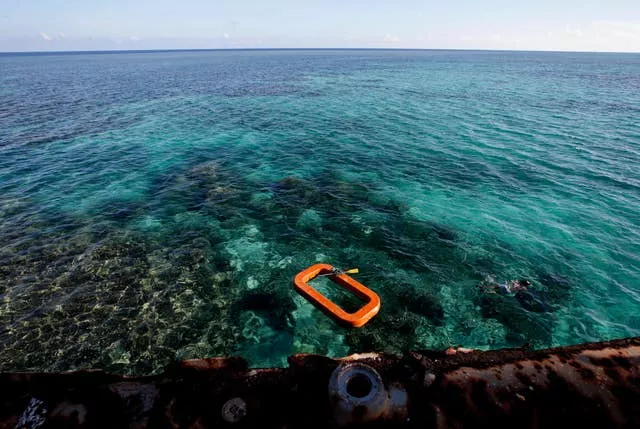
156	206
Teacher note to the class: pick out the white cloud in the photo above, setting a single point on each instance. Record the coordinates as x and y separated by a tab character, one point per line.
61	35
572	31
621	29
134	38
391	38
226	35
45	36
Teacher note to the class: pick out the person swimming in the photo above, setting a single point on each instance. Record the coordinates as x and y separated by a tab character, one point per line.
505	288
520	289
518	285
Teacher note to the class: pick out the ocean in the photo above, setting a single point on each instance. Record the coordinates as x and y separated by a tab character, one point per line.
155	206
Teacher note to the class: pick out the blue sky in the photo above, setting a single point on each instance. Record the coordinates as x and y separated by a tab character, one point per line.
580	25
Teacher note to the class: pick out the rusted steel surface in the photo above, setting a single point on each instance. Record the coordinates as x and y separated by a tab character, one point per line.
591	385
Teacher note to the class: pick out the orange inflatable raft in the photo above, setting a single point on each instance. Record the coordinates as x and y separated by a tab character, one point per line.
354	320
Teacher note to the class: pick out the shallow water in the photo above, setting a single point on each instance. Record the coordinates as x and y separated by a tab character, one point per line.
156	206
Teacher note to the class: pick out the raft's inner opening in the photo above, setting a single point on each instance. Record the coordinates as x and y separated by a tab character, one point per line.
359	386
343	298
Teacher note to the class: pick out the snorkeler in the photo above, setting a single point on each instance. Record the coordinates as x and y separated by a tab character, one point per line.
519	285
528	298
505	288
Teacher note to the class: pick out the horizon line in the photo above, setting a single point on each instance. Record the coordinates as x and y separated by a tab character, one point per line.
160	50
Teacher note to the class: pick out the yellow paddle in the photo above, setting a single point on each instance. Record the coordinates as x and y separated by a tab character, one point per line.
337	272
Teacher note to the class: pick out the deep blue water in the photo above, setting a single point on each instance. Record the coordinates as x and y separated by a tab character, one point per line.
156	206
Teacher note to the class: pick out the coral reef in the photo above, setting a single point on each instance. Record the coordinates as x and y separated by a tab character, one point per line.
204	268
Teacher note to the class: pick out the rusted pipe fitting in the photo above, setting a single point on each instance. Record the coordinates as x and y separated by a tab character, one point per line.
357	394
234	410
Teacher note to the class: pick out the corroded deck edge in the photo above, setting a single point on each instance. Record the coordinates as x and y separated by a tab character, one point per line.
589	385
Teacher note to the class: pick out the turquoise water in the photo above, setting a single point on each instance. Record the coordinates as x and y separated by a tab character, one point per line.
156	206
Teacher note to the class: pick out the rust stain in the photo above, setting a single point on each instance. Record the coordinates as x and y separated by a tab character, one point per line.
591	385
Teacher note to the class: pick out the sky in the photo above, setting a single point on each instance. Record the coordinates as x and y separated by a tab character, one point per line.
550	25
